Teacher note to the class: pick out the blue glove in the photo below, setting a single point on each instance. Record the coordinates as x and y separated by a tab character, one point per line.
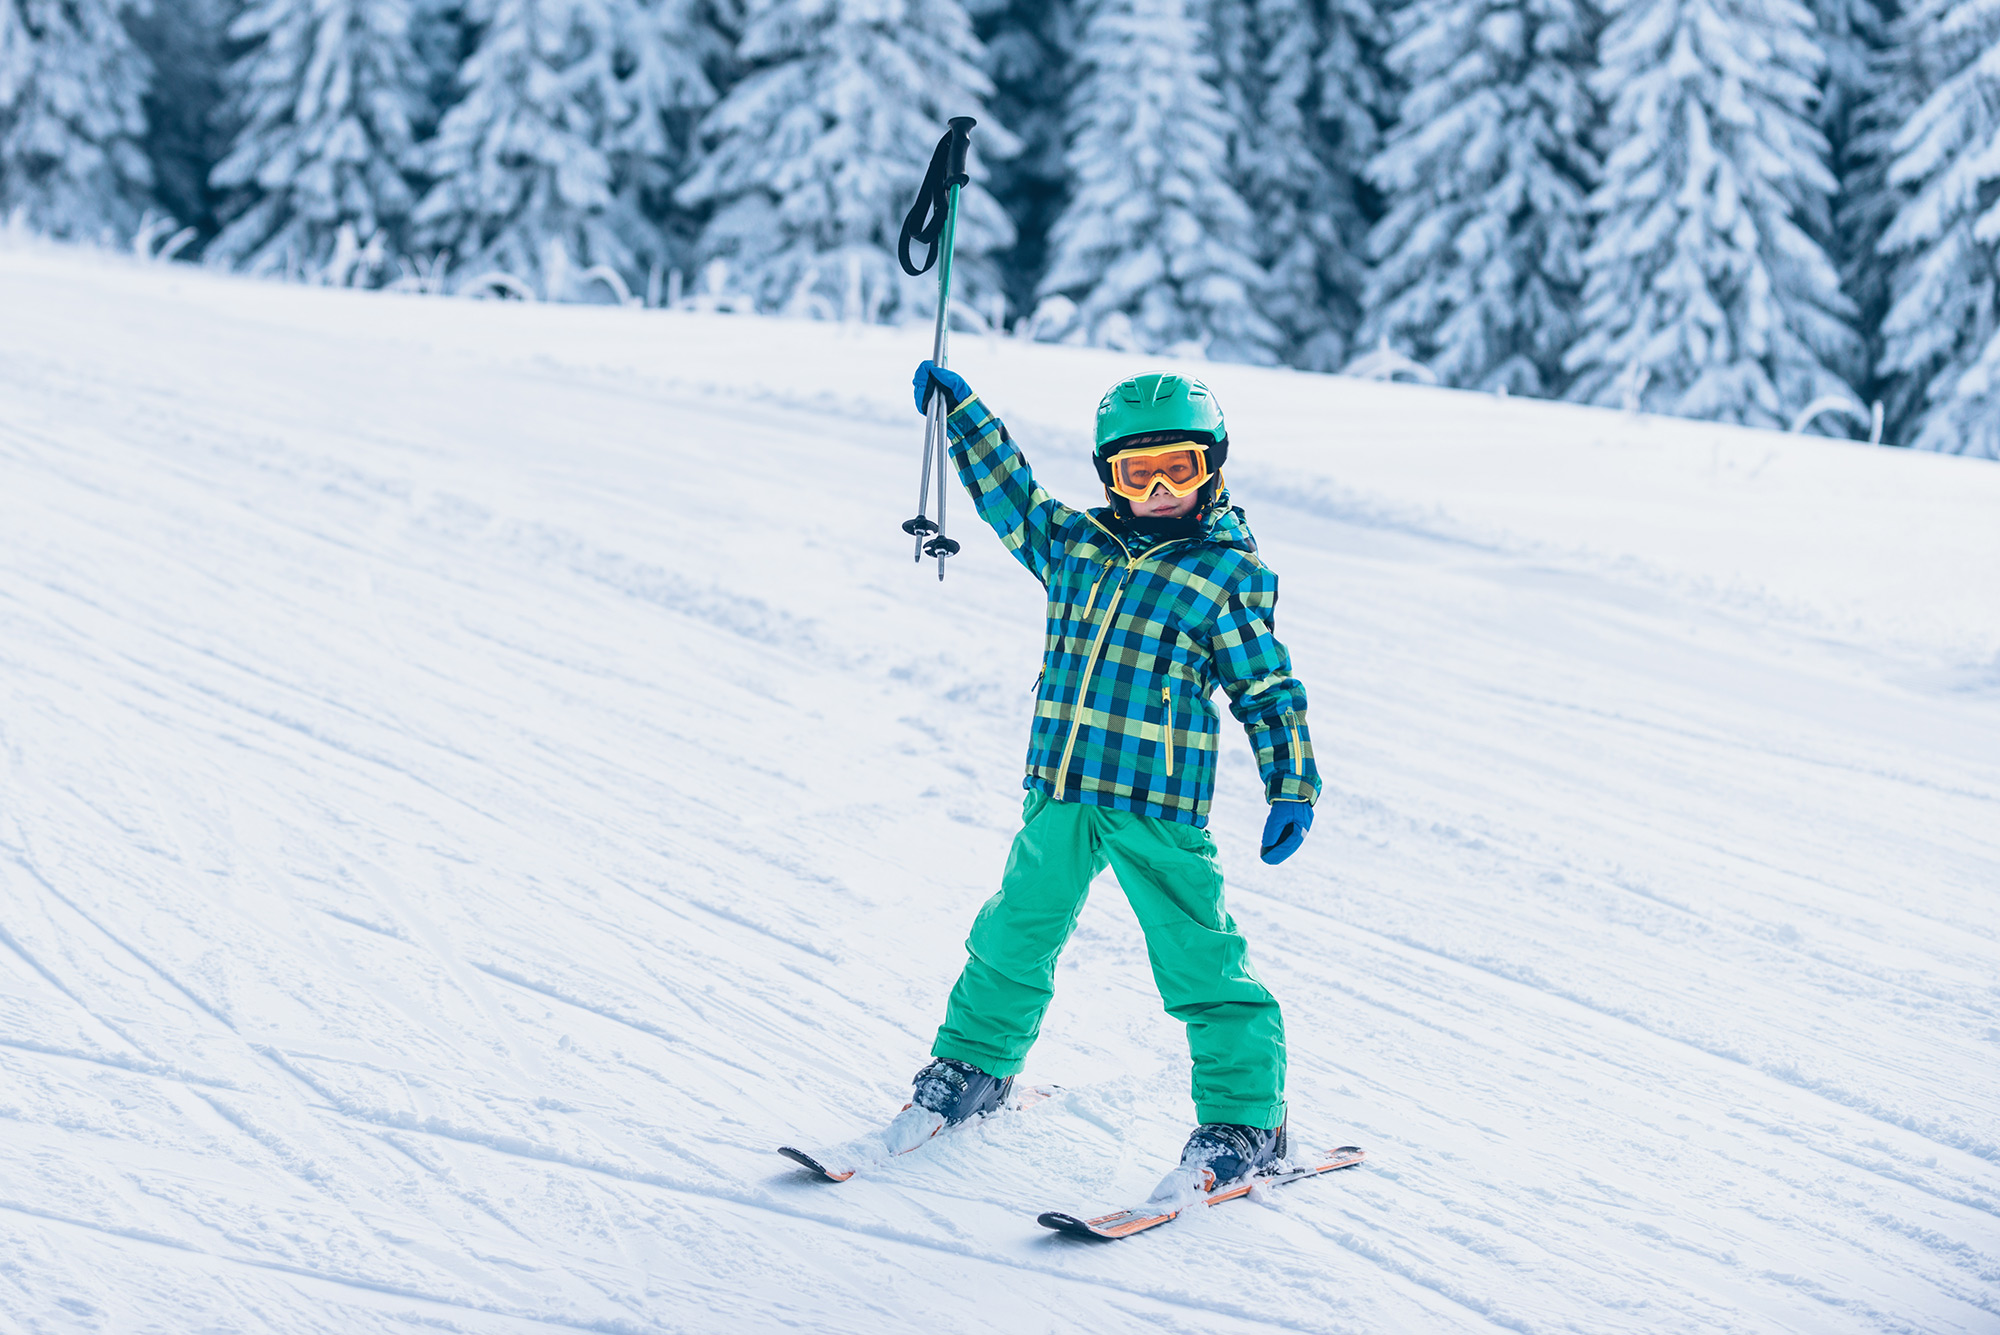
929	374
1285	829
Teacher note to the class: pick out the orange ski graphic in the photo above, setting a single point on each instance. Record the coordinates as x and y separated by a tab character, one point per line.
1124	1223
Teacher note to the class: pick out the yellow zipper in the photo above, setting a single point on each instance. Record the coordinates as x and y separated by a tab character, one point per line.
1298	761
1090	605
1083	687
1103	629
1167	694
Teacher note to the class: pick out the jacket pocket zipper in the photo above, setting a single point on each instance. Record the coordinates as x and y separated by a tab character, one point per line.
1167	694
1090	663
1089	606
1298	761
1083	682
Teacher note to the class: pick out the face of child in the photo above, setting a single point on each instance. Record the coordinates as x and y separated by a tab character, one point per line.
1163	504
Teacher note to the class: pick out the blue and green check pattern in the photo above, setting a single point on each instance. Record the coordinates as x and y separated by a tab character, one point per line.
1139	638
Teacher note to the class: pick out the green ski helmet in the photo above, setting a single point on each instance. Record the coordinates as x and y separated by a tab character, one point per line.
1166	407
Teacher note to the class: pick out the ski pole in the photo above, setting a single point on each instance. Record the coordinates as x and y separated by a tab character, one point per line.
933	222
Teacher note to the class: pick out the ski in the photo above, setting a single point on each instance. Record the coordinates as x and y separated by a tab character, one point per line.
910	1129
1124	1223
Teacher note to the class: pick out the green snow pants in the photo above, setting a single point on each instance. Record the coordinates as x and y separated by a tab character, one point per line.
1200	962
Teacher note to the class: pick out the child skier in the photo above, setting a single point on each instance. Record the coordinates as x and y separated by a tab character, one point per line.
1154	601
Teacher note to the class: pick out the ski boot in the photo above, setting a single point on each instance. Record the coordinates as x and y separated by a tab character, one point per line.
956	1090
1219	1153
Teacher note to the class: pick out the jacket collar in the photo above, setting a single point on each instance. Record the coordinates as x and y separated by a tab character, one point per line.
1221	523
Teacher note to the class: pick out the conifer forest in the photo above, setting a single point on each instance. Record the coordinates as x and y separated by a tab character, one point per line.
1751	211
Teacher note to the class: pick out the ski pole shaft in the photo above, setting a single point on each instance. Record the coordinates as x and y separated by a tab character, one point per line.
923	526
933	221
958	140
944	545
944	275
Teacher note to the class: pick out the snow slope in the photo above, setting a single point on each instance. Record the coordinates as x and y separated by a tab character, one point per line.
474	778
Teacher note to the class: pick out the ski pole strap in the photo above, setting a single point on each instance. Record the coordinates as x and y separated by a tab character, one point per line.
925	221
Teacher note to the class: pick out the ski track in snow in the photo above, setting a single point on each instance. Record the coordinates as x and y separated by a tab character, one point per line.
463	800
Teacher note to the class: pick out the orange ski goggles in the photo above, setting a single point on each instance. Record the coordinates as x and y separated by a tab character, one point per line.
1182	467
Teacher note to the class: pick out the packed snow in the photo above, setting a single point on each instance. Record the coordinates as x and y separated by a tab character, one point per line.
476	778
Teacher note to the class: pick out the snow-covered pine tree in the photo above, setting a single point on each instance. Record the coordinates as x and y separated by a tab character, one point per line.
72	118
1854	34
1705	294
673	46
1354	101
183	41
813	157
1302	84
440	34
1860	108
1941	337
550	148
1154	239
1028	51
327	99
1480	252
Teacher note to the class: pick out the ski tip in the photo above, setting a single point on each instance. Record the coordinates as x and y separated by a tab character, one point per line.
804	1160
1346	1156
1069	1225
1027	1096
1110	1227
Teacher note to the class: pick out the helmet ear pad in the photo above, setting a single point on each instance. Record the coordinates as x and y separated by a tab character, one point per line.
1214	453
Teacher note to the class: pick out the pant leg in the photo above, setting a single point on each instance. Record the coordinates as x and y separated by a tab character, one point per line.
1236	1033
997	1005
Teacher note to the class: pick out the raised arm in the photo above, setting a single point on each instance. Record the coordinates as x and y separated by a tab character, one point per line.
1003	487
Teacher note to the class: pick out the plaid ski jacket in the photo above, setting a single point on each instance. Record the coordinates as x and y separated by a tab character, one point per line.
1139	637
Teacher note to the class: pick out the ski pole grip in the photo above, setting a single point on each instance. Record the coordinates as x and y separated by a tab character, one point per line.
927	216
960	139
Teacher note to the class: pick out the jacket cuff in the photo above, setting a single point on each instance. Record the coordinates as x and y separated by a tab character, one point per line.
1292	788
